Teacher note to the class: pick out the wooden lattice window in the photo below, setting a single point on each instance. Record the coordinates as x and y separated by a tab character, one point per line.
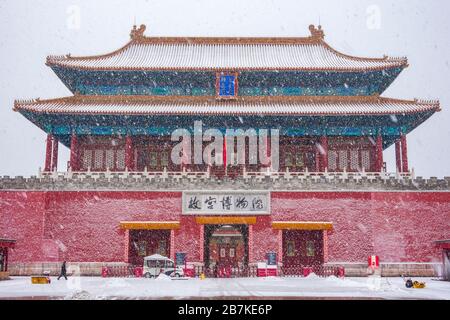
288	159
98	159
121	159
165	159
153	159
343	160
299	160
365	158
110	159
332	160
87	159
354	160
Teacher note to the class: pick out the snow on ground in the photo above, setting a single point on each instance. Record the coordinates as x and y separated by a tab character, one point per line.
134	288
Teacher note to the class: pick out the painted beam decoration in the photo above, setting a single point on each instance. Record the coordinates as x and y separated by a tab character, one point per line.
226	202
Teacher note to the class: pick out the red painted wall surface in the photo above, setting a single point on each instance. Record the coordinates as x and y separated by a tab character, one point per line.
84	226
397	226
78	226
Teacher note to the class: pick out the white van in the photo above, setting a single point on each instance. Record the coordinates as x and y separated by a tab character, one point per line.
156	264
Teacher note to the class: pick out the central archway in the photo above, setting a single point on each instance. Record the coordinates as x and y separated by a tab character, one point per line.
226	246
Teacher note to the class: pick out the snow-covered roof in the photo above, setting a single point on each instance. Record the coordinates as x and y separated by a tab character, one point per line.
156	257
153	105
162	53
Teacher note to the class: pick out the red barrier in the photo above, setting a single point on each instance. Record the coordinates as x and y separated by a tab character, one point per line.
307	271
189	272
261	272
104	272
341	272
138	272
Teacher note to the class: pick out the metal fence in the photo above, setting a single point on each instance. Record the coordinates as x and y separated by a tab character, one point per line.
235	272
304	271
226	272
120	271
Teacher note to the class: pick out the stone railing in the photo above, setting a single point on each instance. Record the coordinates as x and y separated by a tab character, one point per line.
186	180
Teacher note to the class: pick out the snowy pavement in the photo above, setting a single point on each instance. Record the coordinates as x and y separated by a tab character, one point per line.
271	288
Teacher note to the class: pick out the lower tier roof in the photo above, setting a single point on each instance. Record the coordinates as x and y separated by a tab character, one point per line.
160	105
292	116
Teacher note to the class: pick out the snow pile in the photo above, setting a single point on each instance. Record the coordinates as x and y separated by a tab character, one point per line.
79	295
163	277
312	276
342	282
380	284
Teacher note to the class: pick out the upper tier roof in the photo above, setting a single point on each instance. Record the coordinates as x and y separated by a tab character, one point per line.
154	105
161	53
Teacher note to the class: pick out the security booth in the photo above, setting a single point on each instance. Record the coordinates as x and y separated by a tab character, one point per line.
5	245
445	246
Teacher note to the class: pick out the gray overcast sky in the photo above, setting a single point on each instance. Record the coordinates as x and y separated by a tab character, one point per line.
31	30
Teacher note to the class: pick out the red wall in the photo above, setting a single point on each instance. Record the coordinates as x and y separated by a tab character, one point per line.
84	226
397	226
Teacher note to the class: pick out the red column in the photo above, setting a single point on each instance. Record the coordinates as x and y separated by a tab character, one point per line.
55	154
129	153
325	246
404	154
126	252
74	152
324	153
280	246
224	153
379	154
201	242
6	260
48	153
172	245
398	156
250	243
317	157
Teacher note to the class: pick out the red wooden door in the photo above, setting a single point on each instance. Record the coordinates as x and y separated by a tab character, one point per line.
302	248
227	256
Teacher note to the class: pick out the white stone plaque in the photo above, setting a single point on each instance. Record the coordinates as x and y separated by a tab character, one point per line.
226	202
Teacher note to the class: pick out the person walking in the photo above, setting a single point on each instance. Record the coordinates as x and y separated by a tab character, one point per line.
63	271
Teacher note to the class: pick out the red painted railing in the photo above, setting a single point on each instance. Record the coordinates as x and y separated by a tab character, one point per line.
233	272
120	271
304	271
226	272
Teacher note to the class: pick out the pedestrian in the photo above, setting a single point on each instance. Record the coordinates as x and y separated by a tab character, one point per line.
63	271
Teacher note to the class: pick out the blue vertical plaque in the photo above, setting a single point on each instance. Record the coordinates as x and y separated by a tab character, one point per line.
271	258
180	258
227	84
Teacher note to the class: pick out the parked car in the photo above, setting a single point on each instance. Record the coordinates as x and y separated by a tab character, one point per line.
156	264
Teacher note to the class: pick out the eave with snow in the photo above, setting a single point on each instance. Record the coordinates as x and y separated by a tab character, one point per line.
188	66
295	116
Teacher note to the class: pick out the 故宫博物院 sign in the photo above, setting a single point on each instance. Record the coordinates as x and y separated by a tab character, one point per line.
226	202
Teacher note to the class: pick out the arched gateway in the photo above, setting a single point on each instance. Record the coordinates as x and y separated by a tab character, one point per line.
226	246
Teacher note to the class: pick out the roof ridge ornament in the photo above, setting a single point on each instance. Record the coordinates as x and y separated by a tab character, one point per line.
138	34
316	33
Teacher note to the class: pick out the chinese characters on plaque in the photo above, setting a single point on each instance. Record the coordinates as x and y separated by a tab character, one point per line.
223	203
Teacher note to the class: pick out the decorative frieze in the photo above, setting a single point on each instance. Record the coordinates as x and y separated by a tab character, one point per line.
279	181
